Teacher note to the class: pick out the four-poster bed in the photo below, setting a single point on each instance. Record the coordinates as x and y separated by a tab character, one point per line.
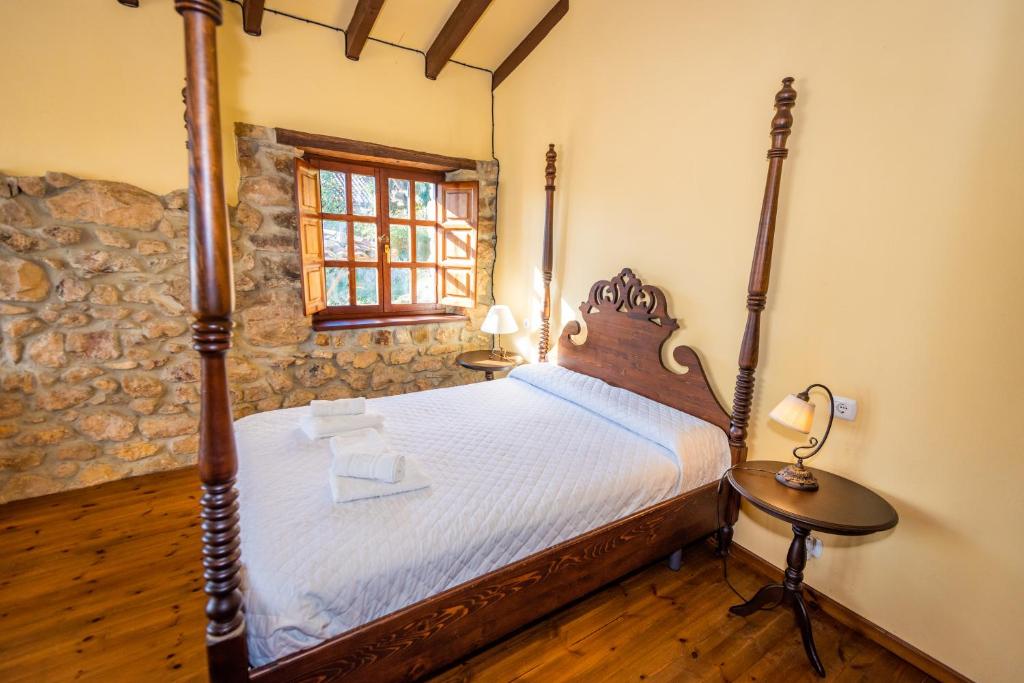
627	323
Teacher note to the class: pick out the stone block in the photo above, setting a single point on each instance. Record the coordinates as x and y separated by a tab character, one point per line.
33	186
315	374
266	191
133	450
117	205
43	437
107	426
63	396
47	349
17	214
18	241
163	426
22	280
147	247
142	385
96	345
112	238
77	450
63	234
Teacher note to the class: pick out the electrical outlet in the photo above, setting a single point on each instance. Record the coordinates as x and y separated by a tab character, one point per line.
846	408
814	546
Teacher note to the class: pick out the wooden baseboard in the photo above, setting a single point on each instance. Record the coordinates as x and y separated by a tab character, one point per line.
856	622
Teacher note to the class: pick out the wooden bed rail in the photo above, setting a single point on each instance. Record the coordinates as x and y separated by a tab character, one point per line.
543	345
757	294
212	304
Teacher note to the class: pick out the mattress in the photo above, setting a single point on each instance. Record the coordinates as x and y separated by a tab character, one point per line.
516	465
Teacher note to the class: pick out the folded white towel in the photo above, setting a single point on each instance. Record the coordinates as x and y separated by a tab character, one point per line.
342	406
365	454
323	427
348	489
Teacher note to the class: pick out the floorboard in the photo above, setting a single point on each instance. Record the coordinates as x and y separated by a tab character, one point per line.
104	584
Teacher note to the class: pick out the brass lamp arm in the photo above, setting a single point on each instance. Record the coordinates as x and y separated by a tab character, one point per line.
814	444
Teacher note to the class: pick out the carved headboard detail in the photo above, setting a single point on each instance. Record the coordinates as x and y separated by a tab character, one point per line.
627	324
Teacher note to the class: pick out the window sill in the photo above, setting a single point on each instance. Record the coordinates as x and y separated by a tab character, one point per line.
387	321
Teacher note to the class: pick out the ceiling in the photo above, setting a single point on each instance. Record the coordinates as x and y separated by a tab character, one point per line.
415	23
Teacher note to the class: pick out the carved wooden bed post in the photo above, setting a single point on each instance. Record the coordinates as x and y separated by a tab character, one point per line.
757	296
212	303
549	211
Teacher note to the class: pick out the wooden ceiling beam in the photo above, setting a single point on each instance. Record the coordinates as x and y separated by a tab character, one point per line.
531	41
252	17
455	30
359	27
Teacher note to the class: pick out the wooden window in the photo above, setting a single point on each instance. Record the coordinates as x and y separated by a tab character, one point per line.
458	205
311	244
382	243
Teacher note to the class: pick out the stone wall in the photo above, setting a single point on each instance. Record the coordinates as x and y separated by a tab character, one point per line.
98	380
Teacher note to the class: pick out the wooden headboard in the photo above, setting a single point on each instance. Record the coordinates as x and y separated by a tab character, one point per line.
627	324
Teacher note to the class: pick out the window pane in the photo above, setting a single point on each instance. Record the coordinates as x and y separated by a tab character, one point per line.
425	240
365	241
366	286
425	208
401	247
336	240
398	198
364	195
332	192
337	286
401	285
426	285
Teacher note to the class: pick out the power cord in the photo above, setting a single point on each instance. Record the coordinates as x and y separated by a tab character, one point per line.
718	525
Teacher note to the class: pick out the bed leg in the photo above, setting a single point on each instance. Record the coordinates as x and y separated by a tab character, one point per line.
675	560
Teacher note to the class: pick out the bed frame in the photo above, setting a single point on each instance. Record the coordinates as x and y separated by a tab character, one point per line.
626	325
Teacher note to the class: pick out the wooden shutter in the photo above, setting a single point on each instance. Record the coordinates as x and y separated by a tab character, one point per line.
458	208
311	237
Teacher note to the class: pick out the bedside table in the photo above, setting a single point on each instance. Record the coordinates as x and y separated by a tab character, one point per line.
839	506
482	361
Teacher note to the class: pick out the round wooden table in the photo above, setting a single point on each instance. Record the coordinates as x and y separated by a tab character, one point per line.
484	362
839	506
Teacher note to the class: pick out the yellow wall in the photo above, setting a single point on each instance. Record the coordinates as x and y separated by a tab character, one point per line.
93	88
898	272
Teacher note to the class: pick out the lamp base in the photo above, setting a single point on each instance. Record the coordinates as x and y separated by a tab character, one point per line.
797	477
500	354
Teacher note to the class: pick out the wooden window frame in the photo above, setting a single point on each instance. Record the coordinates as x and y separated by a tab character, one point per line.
385	313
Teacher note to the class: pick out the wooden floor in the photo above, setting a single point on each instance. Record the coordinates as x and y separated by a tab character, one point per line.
103	584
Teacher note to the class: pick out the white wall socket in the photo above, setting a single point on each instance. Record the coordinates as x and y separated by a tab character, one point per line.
814	546
846	408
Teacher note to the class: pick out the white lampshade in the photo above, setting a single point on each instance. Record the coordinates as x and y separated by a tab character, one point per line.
795	413
499	320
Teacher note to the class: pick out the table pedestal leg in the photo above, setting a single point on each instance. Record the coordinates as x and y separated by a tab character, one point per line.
771	595
488	375
789	592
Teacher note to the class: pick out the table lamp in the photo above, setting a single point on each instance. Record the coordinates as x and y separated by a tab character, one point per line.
797	412
499	321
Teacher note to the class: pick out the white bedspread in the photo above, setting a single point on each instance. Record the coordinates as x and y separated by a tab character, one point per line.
516	465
